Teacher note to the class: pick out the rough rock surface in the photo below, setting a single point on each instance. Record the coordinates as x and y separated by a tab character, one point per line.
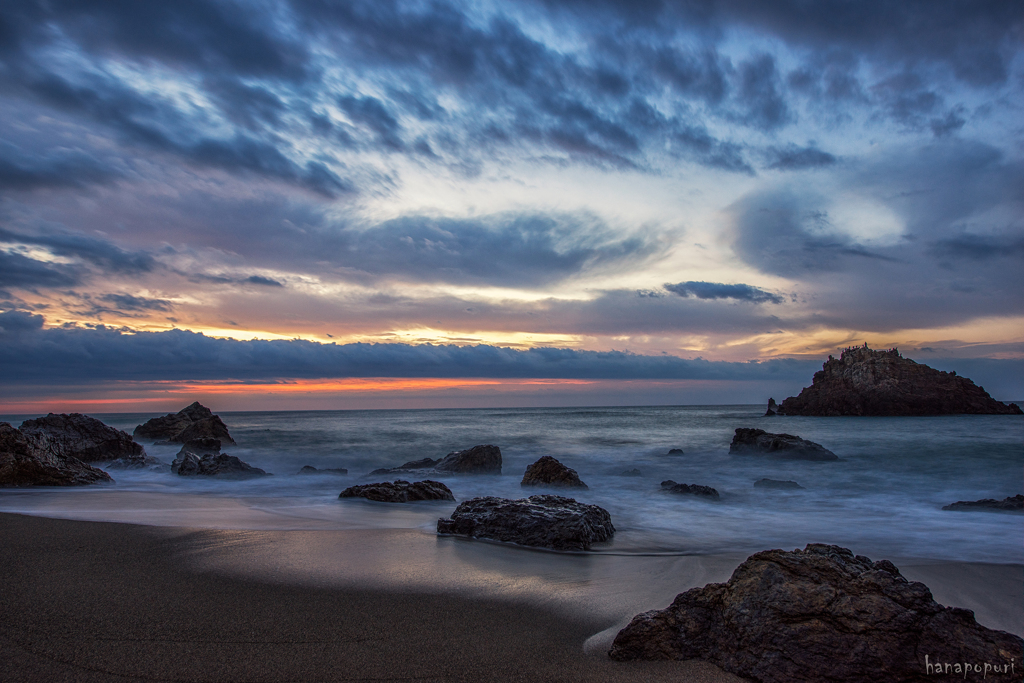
773	408
475	460
543	521
24	462
779	445
547	471
776	484
83	437
1013	503
134	463
192	422
309	469
191	463
411	467
689	489
400	491
818	614
865	381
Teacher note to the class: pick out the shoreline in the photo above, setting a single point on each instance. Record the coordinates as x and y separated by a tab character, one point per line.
105	601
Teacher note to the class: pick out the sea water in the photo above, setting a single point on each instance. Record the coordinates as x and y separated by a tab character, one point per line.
882	497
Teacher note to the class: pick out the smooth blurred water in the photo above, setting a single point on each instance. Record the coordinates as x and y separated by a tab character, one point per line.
884	495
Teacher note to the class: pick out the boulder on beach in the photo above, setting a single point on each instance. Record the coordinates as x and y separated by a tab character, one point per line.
776	484
475	460
816	614
195	421
202	457
547	471
309	469
778	445
400	491
542	521
689	489
1010	504
865	381
26	461
83	437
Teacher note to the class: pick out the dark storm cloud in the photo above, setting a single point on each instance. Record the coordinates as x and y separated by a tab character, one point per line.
717	290
794	158
128	302
21	272
98	252
262	281
22	171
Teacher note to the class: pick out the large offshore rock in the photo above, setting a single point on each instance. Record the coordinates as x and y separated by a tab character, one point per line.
83	437
189	463
543	521
1010	504
28	461
195	421
400	491
475	460
748	440
547	471
865	381
690	489
818	614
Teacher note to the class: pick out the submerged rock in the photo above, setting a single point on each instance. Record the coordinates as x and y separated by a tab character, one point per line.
779	445
547	471
475	460
26	461
689	489
865	381
1012	504
309	469
631	473
195	421
400	491
675	451
411	467
542	521
83	437
816	614
776	484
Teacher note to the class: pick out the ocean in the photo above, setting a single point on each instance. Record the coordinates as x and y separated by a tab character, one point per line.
883	497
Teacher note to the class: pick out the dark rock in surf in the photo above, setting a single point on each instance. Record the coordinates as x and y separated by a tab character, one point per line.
423	464
1011	504
201	446
309	469
190	463
400	491
192	422
547	471
475	460
542	521
776	484
675	451
865	381
690	489
773	408
815	614
83	437
631	473
778	445
26	461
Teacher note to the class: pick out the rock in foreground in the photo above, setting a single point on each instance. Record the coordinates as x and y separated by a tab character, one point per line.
83	437
542	521
24	462
547	471
779	445
1012	504
689	489
400	491
195	421
475	460
865	381
814	615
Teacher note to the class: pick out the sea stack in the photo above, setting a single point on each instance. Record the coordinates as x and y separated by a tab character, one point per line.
869	382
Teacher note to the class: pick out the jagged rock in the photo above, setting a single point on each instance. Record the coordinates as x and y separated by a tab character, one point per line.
773	408
865	381
400	491
83	437
690	489
631	473
543	521
195	421
776	484
188	464
675	451
1012	504
549	472
37	461
779	445
475	460
201	446
309	469
813	615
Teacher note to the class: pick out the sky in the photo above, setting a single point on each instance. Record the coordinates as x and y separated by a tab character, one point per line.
304	204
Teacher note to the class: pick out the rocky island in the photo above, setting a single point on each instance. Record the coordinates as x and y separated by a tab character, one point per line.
870	382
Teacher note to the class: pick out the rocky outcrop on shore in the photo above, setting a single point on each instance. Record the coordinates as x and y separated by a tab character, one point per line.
36	461
1010	504
195	421
202	457
776	484
787	446
690	489
547	471
865	381
542	521
83	437
816	614
400	491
